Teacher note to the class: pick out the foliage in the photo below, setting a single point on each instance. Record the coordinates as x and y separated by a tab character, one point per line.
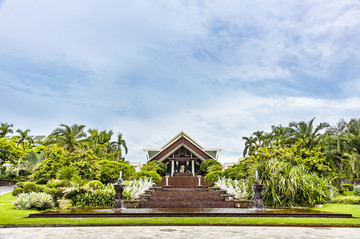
237	171
157	166
214	167
110	170
347	187
95	184
205	165
357	191
17	191
84	163
149	174
286	185
104	197
213	176
39	201
5	129
9	151
70	137
29	187
67	172
346	200
118	145
32	160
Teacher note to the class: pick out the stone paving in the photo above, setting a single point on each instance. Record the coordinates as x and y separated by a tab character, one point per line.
208	232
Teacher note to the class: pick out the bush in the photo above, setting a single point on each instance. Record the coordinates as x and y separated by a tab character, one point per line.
110	171
213	177
29	187
149	174
157	166
205	165
40	188
17	191
54	183
33	200
357	191
104	197
347	187
22	202
346	200
95	184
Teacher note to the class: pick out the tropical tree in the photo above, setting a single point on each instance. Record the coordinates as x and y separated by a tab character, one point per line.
70	137
32	160
24	138
250	145
5	129
118	144
307	133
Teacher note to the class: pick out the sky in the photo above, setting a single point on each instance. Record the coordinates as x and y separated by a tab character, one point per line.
217	70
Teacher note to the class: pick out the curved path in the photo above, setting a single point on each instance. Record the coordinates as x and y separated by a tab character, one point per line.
6	189
173	232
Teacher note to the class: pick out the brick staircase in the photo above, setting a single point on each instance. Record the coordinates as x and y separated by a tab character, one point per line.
184	194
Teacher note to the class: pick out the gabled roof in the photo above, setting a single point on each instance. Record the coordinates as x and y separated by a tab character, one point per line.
181	139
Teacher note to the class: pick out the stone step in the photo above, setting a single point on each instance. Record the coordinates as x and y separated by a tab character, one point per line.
185	198
184	204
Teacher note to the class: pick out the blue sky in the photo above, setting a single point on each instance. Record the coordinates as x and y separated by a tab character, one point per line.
218	70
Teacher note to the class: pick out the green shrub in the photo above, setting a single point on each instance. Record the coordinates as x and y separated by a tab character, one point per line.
40	188
157	166
149	174
357	191
205	165
213	177
347	187
54	183
33	200
29	187
341	190
346	200
41	201
22	201
95	184
17	191
104	197
20	184
110	171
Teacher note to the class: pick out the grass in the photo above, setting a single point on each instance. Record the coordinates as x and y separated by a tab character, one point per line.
10	216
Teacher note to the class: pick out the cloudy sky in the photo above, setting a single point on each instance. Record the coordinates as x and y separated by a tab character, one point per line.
218	70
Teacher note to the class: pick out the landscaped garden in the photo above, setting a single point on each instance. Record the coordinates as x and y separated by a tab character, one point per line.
300	165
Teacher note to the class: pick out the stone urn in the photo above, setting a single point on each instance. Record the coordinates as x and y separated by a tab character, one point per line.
119	188
258	203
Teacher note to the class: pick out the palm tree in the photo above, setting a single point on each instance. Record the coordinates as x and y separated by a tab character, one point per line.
5	128
24	138
69	137
280	135
120	142
32	160
250	145
305	132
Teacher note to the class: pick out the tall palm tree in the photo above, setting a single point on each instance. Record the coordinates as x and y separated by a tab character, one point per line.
69	137
118	144
250	145
5	128
24	138
307	133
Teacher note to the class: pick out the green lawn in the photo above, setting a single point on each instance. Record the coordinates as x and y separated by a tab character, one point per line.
10	216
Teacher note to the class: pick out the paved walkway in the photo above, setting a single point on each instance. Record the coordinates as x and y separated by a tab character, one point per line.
174	232
6	189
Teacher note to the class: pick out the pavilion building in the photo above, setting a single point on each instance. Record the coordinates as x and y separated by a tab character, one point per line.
182	155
